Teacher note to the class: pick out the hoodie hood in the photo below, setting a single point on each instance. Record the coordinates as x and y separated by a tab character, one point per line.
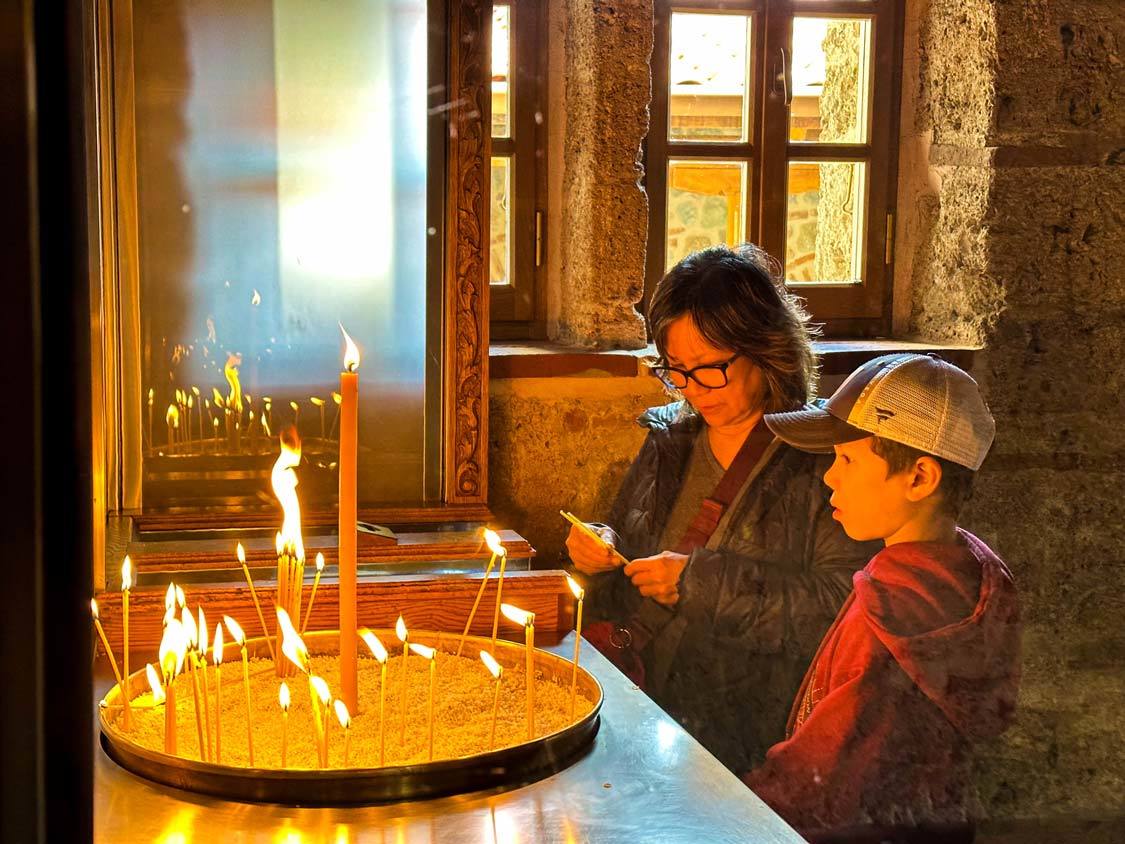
949	616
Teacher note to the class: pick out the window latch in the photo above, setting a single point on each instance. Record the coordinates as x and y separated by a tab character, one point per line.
783	77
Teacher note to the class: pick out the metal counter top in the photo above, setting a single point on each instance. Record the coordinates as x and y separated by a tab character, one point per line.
644	779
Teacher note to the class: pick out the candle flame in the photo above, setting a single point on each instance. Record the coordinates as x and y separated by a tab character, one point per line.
423	651
181	599
374	645
256	299
400	629
284	481
203	632
191	632
173	649
316	402
235	630
283	696
521	617
292	645
579	592
196	391
321	687
94	608
283	619
319	561
151	394
337	398
351	353
494	545
217	645
216	397
241	552
294	406
230	371
172	417
154	684
342	713
491	664
190	402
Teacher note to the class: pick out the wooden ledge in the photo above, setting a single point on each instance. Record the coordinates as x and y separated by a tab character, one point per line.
532	359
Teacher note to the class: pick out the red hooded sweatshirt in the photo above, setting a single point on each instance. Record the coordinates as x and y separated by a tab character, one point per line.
922	660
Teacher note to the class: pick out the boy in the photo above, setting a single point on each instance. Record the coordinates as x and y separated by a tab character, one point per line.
923	657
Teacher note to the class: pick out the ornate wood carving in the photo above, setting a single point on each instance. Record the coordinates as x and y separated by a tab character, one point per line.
466	267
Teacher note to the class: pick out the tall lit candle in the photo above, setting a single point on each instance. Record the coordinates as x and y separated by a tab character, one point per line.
494	545
240	639
496	671
191	633
527	619
499	594
198	415
173	649
202	651
404	637
151	395
283	699
312	595
217	658
346	723
429	654
380	654
105	643
579	595
154	683
126	692
349	424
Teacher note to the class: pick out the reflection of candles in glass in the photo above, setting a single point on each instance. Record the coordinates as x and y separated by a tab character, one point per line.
215	433
217	658
404	637
170	417
126	694
346	560
296	414
496	671
337	400
151	396
318	403
319	689
499	591
210	423
380	654
527	619
267	414
579	595
187	430
494	545
312	595
240	639
346	722
283	699
430	654
198	414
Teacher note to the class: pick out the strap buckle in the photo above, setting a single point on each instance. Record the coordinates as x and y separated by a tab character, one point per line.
621	638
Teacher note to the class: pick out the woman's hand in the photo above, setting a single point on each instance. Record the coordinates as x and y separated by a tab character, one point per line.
590	556
658	577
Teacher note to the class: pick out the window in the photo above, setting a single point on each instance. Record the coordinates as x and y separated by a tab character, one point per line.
517	248
774	122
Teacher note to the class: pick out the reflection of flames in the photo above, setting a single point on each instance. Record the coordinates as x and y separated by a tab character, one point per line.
284	482
256	299
234	398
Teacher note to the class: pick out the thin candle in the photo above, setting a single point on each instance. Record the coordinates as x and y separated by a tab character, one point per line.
283	699
151	395
346	723
318	403
191	631
579	595
430	654
527	619
346	561
312	596
499	595
319	689
494	545
241	553
126	585
380	654
155	684
496	671
404	637
198	415
337	400
239	637
173	648
217	658
202	652
105	643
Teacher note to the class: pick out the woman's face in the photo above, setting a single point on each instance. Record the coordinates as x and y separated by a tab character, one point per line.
730	406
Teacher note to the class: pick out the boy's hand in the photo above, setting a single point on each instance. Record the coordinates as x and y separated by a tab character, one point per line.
658	577
590	556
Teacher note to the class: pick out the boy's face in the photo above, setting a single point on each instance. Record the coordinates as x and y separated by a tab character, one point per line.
865	501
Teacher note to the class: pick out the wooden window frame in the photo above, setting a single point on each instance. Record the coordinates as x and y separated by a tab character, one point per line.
857	310
518	310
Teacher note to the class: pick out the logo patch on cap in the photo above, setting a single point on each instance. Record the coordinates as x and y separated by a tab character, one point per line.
883	414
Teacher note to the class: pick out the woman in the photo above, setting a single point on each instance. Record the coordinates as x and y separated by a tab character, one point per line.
728	628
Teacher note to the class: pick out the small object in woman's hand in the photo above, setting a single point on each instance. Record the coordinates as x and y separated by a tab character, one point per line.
586	530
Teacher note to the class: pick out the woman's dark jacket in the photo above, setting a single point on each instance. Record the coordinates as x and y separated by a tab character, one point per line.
728	660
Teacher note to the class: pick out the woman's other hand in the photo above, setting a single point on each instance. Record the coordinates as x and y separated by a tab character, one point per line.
589	555
658	577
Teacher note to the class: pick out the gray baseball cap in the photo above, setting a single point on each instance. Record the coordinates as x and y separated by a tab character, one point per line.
918	400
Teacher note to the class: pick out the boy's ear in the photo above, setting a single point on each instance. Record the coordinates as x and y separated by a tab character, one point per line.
925	478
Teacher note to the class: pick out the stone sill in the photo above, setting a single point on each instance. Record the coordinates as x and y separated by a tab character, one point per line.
534	359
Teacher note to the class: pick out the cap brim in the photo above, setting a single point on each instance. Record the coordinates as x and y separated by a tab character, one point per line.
813	429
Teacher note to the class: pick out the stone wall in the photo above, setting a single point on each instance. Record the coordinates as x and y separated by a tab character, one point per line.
1012	235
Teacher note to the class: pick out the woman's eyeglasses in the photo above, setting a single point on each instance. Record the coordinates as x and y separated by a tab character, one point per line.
712	376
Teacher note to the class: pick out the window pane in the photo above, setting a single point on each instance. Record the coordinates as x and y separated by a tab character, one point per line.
825	221
709	98
281	165
501	65
706	202
831	80
500	223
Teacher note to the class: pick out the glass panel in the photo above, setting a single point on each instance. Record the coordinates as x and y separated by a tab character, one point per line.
825	221
831	80
501	64
710	99
706	206
281	164
500	223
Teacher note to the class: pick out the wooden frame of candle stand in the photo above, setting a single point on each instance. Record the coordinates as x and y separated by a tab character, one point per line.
456	480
